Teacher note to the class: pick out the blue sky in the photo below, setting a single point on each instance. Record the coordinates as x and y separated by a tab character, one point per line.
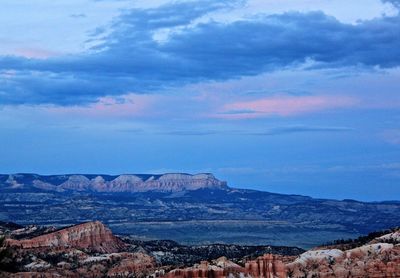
291	96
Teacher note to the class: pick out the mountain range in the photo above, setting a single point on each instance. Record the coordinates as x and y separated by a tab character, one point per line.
190	209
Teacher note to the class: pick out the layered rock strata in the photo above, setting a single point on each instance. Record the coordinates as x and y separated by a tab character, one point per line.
93	236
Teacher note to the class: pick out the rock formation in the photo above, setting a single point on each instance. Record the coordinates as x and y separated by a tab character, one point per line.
122	183
371	260
267	266
91	235
204	269
132	264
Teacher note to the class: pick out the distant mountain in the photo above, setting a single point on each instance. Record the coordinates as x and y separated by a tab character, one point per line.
190	209
172	182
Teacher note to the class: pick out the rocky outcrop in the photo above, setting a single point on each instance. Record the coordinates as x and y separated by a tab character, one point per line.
267	266
393	237
91	235
122	183
111	265
204	269
132	265
371	260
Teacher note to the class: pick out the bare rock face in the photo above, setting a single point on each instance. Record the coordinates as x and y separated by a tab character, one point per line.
371	260
134	183
267	266
91	235
204	269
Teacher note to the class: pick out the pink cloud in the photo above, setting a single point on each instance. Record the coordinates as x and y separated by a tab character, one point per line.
283	106
202	106
35	53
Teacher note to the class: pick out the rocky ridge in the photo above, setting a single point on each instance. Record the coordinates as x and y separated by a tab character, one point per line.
93	236
171	182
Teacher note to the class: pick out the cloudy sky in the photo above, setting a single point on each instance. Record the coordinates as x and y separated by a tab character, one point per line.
291	96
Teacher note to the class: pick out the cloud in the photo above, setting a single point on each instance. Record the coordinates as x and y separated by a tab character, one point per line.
191	132
131	105
303	129
282	106
80	15
238	112
35	53
395	3
280	130
129	58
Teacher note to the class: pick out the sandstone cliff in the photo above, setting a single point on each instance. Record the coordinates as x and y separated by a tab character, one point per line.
91	235
267	266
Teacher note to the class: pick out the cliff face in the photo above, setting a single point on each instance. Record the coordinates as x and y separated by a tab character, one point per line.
91	235
121	183
267	266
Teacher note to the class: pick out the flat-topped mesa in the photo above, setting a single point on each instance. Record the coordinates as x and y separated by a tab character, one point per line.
93	236
173	182
180	182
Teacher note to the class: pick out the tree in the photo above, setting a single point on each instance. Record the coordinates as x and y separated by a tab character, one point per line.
6	258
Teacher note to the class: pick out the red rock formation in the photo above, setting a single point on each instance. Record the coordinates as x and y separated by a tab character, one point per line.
91	235
204	269
377	260
132	265
267	266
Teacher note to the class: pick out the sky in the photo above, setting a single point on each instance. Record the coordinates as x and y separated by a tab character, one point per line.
289	96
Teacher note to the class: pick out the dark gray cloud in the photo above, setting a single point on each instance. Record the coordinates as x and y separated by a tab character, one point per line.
129	59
